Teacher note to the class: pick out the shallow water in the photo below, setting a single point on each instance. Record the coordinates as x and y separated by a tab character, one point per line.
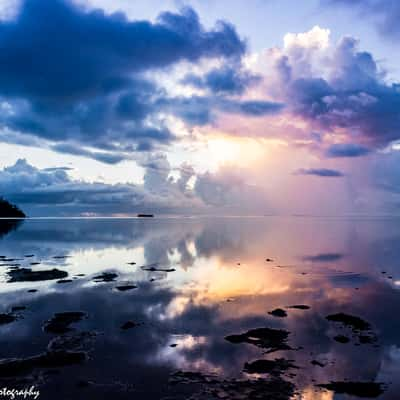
195	282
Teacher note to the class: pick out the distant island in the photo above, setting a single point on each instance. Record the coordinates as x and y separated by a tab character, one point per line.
8	210
145	215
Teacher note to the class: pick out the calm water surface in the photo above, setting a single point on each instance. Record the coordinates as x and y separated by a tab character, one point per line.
158	329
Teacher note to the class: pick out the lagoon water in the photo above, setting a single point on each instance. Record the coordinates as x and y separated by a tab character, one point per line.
160	324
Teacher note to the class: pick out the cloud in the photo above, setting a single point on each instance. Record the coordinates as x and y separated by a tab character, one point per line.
229	189
82	53
385	13
323	172
224	80
48	191
337	89
202	110
51	191
81	77
346	150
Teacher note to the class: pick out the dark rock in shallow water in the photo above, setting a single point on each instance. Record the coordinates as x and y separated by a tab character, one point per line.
341	339
27	275
278	312
64	350
105	277
61	321
156	269
56	359
191	377
316	362
18	308
300	307
76	341
129	325
124	288
64	281
357	325
359	389
272	339
7	318
353	322
274	388
32	290
274	367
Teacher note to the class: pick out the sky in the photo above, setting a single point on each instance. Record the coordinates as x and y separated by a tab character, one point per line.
260	107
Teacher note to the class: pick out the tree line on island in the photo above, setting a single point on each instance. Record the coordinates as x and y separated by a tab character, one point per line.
8	210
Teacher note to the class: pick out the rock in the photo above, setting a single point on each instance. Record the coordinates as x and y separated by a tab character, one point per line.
155	269
60	322
357	325
274	367
359	389
353	322
64	281
274	388
300	307
18	308
272	339
124	288
105	277
20	366
75	341
27	275
278	312
315	362
129	325
341	339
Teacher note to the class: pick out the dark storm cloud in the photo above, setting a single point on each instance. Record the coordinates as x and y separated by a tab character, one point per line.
323	172
353	95
385	13
108	158
68	74
228	79
201	110
346	150
55	52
